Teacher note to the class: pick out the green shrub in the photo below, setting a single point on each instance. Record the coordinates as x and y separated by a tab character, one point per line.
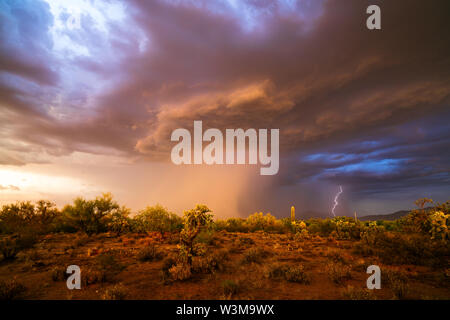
156	218
95	216
26	217
232	225
260	222
322	227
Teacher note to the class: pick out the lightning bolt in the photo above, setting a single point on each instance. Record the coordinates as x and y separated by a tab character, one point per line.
336	197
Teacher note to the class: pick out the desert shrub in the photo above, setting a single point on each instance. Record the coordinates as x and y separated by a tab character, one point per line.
322	227
206	236
336	256
297	274
299	227
167	264
58	273
432	221
338	273
157	218
10	246
116	292
109	262
418	249
26	217
94	275
194	221
397	282
149	253
347	228
361	248
259	221
119	221
371	233
11	290
180	271
352	293
289	273
211	262
232	225
254	255
243	241
106	268
230	287
94	216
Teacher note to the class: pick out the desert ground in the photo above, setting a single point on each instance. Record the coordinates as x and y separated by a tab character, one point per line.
229	265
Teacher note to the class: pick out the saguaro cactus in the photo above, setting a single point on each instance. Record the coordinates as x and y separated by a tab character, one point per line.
292	213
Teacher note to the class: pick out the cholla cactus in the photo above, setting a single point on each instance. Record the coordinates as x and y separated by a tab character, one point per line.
292	213
193	221
439	225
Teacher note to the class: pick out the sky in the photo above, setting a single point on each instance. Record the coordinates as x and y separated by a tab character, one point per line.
90	91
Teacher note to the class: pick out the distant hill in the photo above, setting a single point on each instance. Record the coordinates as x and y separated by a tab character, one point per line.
391	216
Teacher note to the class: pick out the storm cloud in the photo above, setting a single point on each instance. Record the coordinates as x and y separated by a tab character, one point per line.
368	110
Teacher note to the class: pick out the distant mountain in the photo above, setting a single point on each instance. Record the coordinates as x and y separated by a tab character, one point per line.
390	216
374	217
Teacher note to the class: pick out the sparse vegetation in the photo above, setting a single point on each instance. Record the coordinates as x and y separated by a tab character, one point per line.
149	253
254	255
338	273
11	290
260	257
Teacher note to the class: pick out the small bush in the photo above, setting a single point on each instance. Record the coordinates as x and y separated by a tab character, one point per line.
156	218
92	276
10	246
149	253
254	255
167	264
397	282
288	273
336	256
297	274
116	292
180	272
211	262
230	288
246	241
109	263
338	273
11	290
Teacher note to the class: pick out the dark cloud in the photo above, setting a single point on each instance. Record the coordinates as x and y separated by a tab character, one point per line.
370	105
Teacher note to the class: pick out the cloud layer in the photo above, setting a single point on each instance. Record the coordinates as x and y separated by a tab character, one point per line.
359	108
